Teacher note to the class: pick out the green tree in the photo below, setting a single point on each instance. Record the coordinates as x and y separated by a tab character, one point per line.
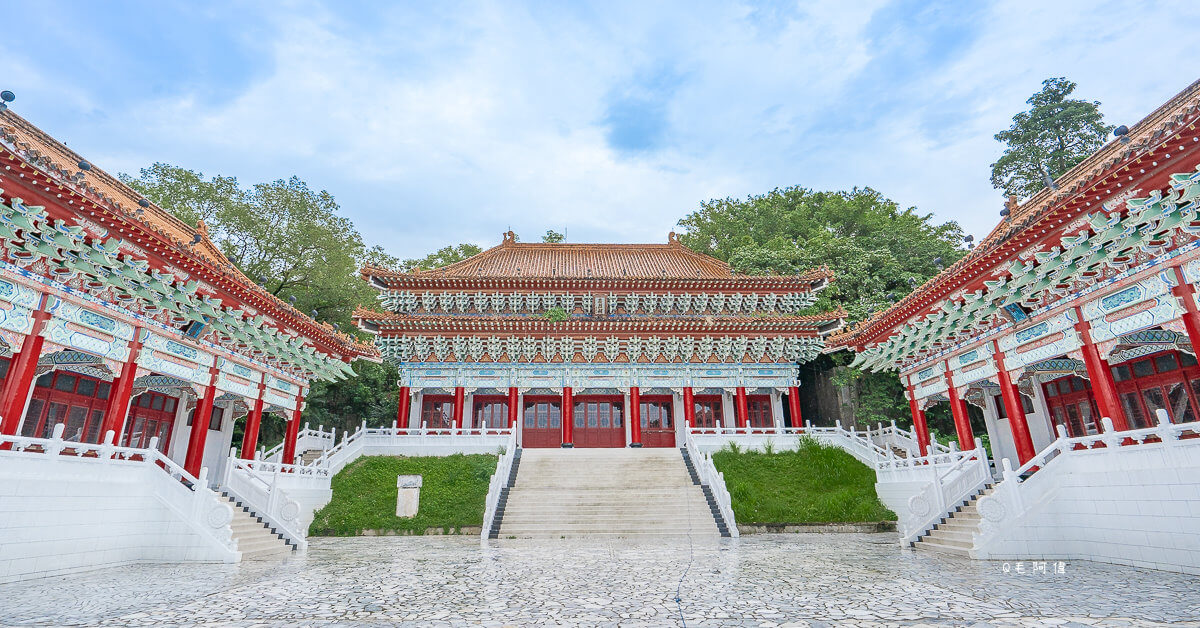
876	250
1054	135
553	236
295	242
443	257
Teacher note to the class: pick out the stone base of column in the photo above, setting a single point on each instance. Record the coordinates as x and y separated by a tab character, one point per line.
635	444
568	445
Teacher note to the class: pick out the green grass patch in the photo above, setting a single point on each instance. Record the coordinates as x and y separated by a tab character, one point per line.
813	484
453	492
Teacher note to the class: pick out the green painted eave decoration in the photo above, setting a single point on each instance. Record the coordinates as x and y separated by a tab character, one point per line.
1148	225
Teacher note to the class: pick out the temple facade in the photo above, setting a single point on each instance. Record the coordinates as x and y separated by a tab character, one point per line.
596	345
122	324
1073	326
1080	304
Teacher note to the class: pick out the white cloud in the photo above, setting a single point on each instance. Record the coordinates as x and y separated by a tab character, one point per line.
455	124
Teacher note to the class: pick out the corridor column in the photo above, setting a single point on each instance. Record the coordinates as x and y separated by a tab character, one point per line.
20	373
794	407
118	399
568	413
1014	409
293	432
689	407
635	417
253	421
195	451
1100	375
958	408
513	411
742	407
919	426
458	407
1186	293
405	405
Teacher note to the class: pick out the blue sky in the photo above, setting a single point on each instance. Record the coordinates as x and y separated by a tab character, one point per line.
439	123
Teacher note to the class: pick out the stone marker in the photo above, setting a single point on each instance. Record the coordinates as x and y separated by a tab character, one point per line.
408	495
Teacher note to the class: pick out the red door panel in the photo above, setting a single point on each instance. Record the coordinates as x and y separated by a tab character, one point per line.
541	422
658	421
599	422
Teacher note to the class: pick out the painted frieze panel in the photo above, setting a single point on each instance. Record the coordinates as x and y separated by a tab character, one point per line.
1139	306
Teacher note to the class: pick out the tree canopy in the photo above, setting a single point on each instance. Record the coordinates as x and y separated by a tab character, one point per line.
289	238
553	236
874	247
295	243
1048	139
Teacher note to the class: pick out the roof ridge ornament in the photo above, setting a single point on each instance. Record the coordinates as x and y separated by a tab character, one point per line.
509	237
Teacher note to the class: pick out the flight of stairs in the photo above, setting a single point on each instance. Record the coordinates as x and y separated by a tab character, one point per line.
309	456
606	493
953	534
255	539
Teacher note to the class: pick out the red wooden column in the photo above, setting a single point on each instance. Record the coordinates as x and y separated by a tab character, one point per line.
459	395
200	417
1014	409
568	417
293	432
794	406
118	400
1100	375
958	408
919	426
742	406
404	406
1191	317
514	400
635	417
20	373
689	407
253	421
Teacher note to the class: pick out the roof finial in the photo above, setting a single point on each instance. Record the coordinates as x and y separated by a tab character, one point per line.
509	237
672	238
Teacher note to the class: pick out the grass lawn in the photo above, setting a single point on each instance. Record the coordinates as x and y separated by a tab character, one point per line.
815	484
364	495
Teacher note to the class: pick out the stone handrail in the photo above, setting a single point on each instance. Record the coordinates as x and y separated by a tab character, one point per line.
496	485
351	447
715	480
256	484
951	480
188	496
306	439
1021	489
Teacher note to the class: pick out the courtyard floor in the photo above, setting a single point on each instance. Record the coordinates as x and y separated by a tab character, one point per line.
808	579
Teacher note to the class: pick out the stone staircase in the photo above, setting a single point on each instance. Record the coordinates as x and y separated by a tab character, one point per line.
255	539
309	456
606	493
953	534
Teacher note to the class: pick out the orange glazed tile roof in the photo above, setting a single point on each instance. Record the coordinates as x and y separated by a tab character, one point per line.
541	259
511	259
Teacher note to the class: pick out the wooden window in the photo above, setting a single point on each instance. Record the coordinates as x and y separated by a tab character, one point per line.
437	412
490	413
655	414
758	408
708	412
67	398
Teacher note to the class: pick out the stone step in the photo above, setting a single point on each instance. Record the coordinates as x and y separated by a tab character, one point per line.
951	539
959	525
931	546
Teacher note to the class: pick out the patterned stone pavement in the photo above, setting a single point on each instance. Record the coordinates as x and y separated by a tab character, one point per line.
761	580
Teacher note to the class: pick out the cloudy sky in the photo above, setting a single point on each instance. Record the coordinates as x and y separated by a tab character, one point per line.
437	123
